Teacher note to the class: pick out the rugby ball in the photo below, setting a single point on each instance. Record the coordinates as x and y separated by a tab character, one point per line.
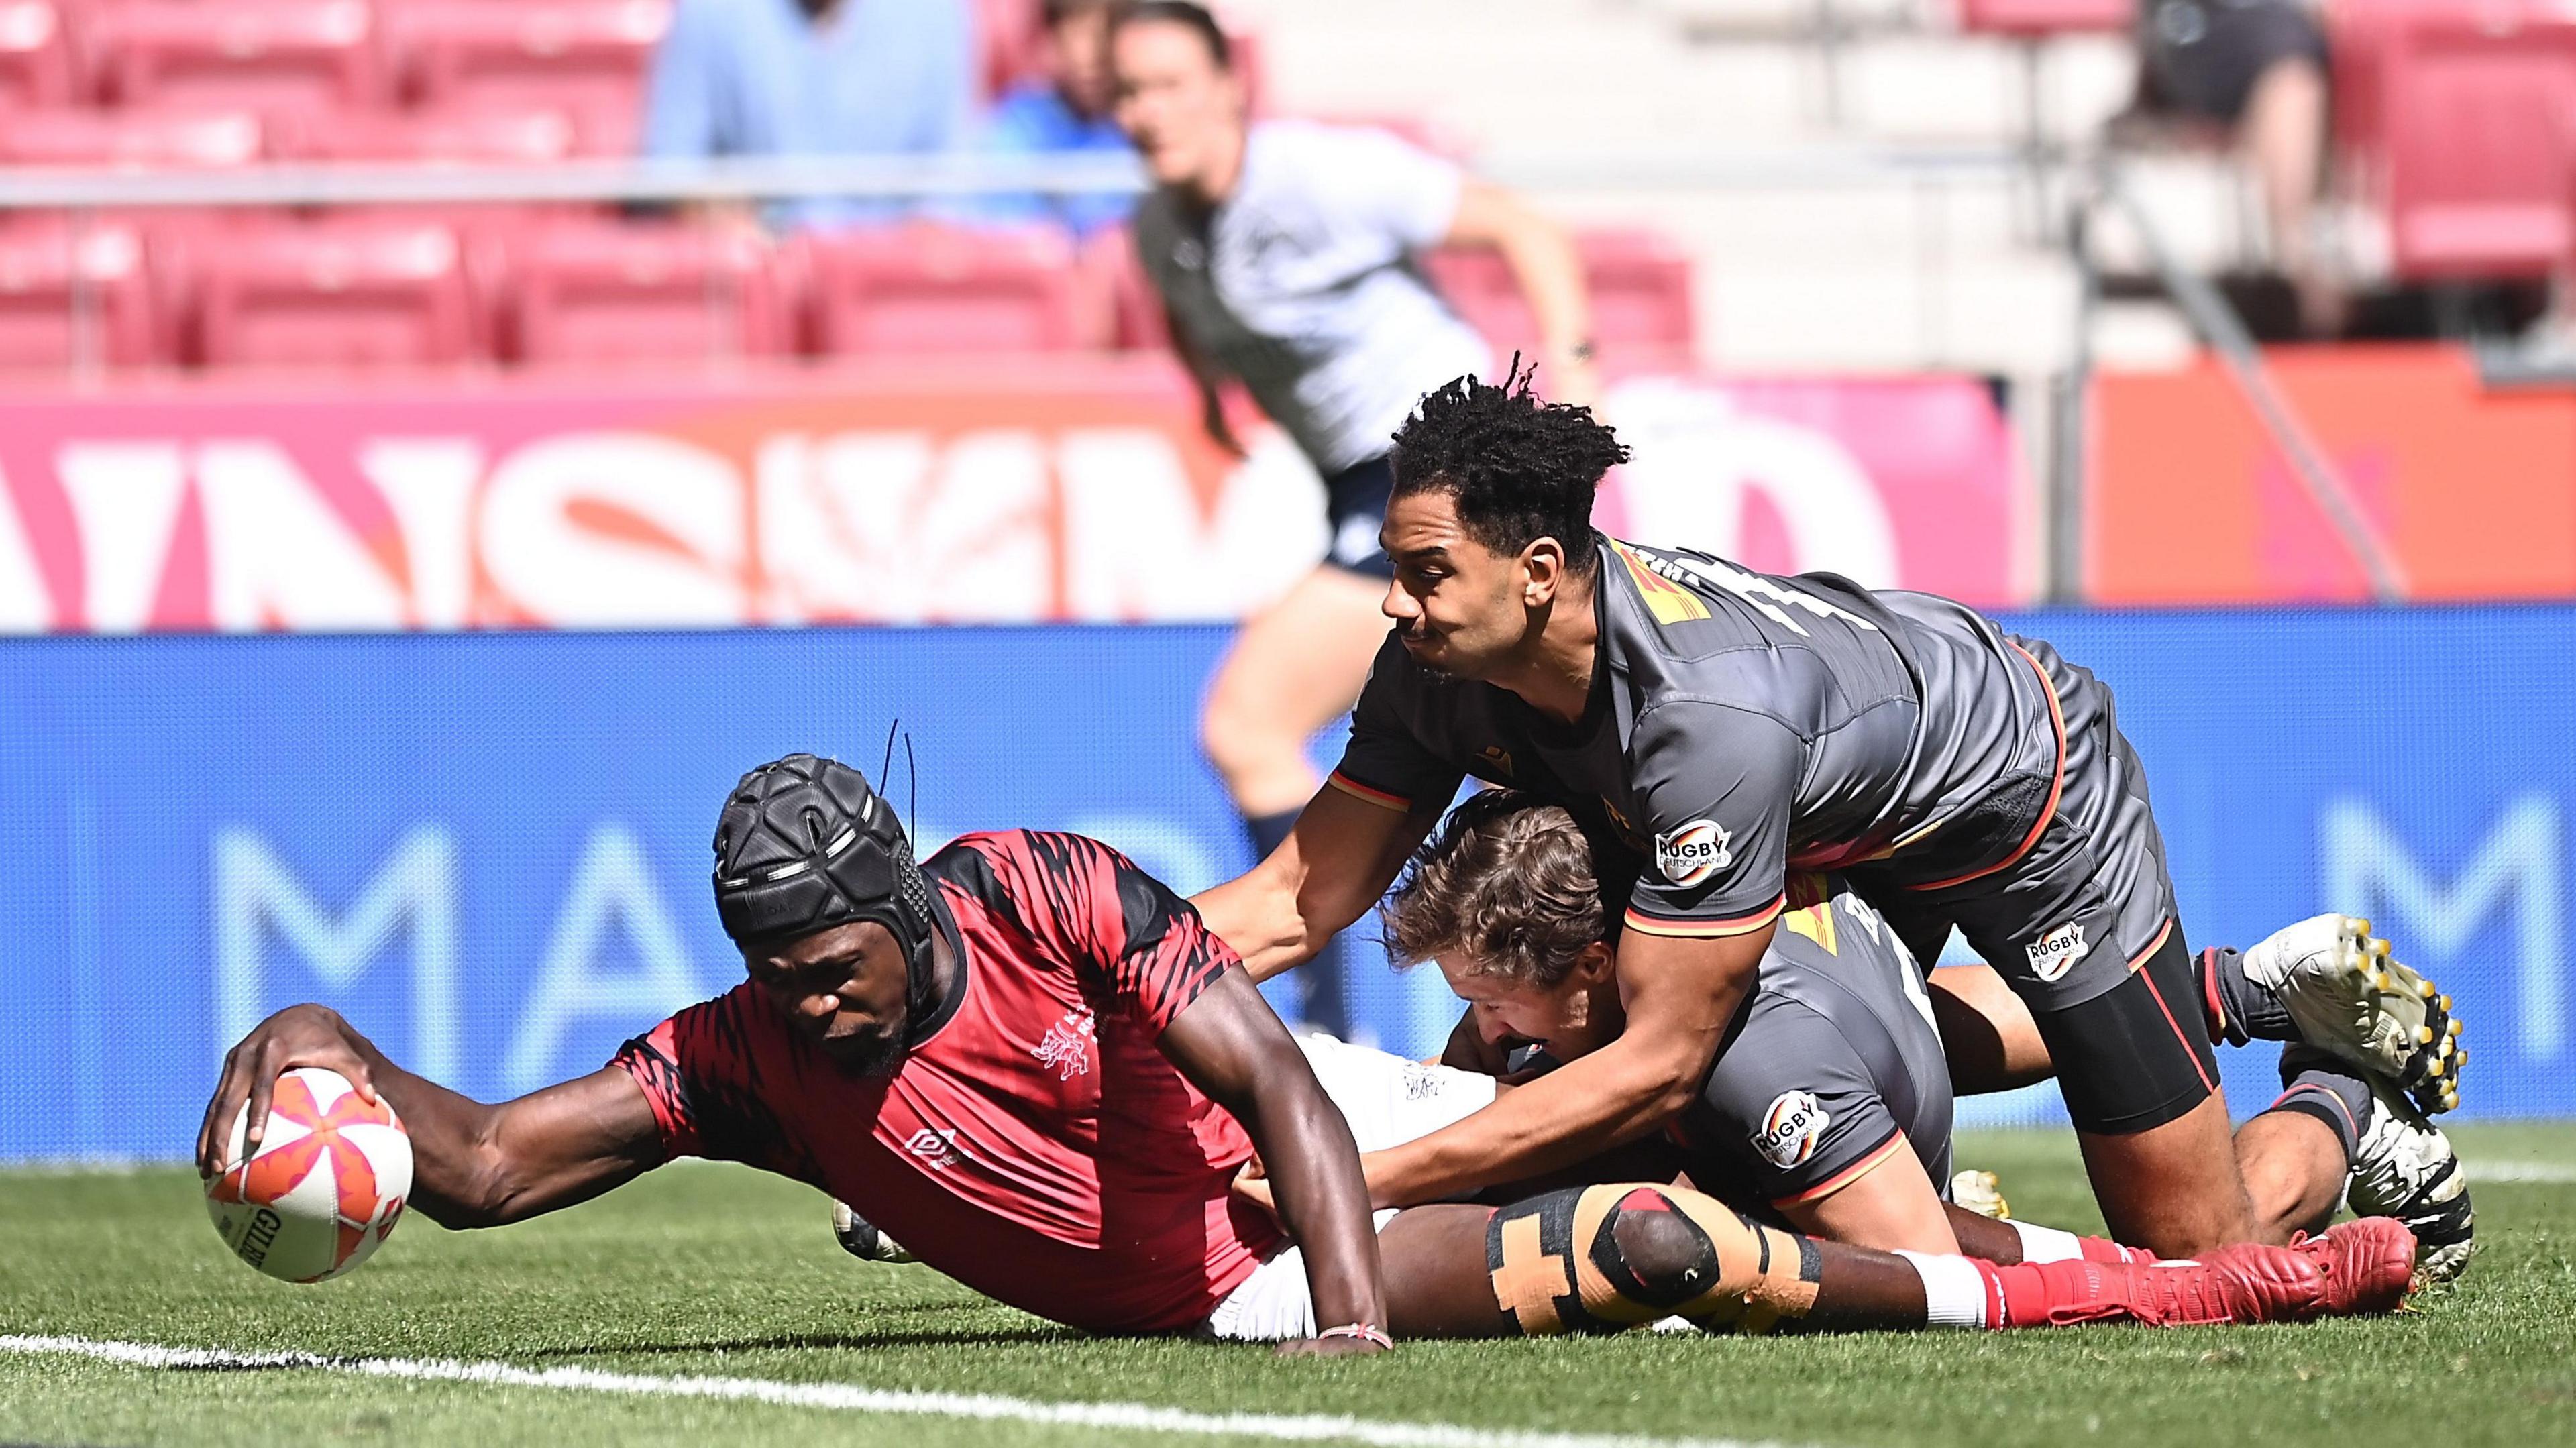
326	1185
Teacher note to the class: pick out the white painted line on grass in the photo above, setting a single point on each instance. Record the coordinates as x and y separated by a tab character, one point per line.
2521	1171
851	1398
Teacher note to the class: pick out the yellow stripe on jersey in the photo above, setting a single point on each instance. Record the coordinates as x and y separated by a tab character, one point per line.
1704	929
1668	601
1816	922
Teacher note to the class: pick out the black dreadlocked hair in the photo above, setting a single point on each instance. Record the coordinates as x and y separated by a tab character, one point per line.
1516	468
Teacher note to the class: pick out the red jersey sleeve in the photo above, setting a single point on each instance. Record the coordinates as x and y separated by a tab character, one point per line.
1126	934
703	1072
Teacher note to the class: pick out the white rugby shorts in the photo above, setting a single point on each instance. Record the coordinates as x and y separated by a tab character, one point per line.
1388	1101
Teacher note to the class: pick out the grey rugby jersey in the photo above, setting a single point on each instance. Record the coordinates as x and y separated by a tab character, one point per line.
1741	724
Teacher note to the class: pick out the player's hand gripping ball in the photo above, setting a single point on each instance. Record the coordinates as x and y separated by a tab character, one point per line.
326	1186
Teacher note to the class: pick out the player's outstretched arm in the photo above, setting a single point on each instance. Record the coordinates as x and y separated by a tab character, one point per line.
1336	862
1231	1046
1680	993
473	1165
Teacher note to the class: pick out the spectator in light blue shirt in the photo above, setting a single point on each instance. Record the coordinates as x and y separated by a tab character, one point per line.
813	78
1066	110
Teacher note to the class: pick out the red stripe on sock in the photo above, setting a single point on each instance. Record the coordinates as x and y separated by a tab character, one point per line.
2216	1007
2340	1109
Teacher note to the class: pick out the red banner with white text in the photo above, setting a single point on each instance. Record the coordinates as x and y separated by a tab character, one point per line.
1079	489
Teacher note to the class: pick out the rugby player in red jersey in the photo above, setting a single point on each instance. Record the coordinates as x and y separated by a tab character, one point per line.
1031	1062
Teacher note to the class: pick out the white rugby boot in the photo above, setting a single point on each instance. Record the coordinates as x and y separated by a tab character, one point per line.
1981	1192
860	1238
2405	1168
2350	996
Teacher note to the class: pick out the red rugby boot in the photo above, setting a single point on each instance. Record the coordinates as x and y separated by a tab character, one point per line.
2369	1265
2244	1284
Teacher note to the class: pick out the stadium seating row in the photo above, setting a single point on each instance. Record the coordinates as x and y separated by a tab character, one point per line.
315	57
389	290
2458	117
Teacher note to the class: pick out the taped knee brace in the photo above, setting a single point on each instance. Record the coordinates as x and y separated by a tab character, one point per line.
1599	1259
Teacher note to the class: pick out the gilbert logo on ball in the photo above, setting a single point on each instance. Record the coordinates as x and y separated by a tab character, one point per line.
325	1187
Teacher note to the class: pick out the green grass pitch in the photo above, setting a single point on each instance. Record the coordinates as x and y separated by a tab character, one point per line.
704	1270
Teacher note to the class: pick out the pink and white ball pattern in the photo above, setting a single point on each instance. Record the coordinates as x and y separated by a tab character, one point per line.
326	1186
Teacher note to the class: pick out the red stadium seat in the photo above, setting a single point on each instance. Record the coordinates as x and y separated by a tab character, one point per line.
269	55
1117	290
933	289
1641	297
1013	39
72	297
346	294
585	57
35	55
490	137
2481	148
606	293
178	139
2039	19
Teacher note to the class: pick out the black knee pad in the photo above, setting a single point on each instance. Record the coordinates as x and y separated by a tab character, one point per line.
2137	1055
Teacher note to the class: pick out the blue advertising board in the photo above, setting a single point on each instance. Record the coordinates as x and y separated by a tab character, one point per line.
491	850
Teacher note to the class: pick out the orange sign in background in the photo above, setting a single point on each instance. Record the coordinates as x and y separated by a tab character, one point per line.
2189	502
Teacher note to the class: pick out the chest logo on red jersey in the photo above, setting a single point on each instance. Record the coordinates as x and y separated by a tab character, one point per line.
1067	1045
937	1146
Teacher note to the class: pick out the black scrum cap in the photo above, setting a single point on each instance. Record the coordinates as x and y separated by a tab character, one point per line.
804	845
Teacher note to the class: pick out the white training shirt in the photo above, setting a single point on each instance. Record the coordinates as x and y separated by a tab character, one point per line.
1303	285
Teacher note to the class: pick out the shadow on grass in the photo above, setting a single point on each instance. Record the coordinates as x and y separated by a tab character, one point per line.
889	1329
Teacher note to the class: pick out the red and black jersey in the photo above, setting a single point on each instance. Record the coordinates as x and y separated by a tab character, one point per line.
1036	1145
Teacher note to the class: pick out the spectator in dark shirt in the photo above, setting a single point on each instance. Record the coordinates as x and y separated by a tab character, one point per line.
2257	67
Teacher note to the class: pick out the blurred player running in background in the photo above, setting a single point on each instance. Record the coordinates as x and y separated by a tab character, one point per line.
1033	1061
1285	253
1724	727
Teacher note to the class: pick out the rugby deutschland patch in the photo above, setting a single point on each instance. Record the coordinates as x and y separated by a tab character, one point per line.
1694	852
1790	1128
2054	954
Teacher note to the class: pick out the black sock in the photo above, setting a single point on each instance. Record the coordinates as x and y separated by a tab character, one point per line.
1319	981
2251	1012
2315	1084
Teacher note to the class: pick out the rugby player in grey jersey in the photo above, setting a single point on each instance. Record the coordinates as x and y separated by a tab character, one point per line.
1828	1108
1724	727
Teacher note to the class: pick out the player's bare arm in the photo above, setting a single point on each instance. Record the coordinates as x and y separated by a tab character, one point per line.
1231	1046
1335	864
1679	994
1549	270
473	1165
